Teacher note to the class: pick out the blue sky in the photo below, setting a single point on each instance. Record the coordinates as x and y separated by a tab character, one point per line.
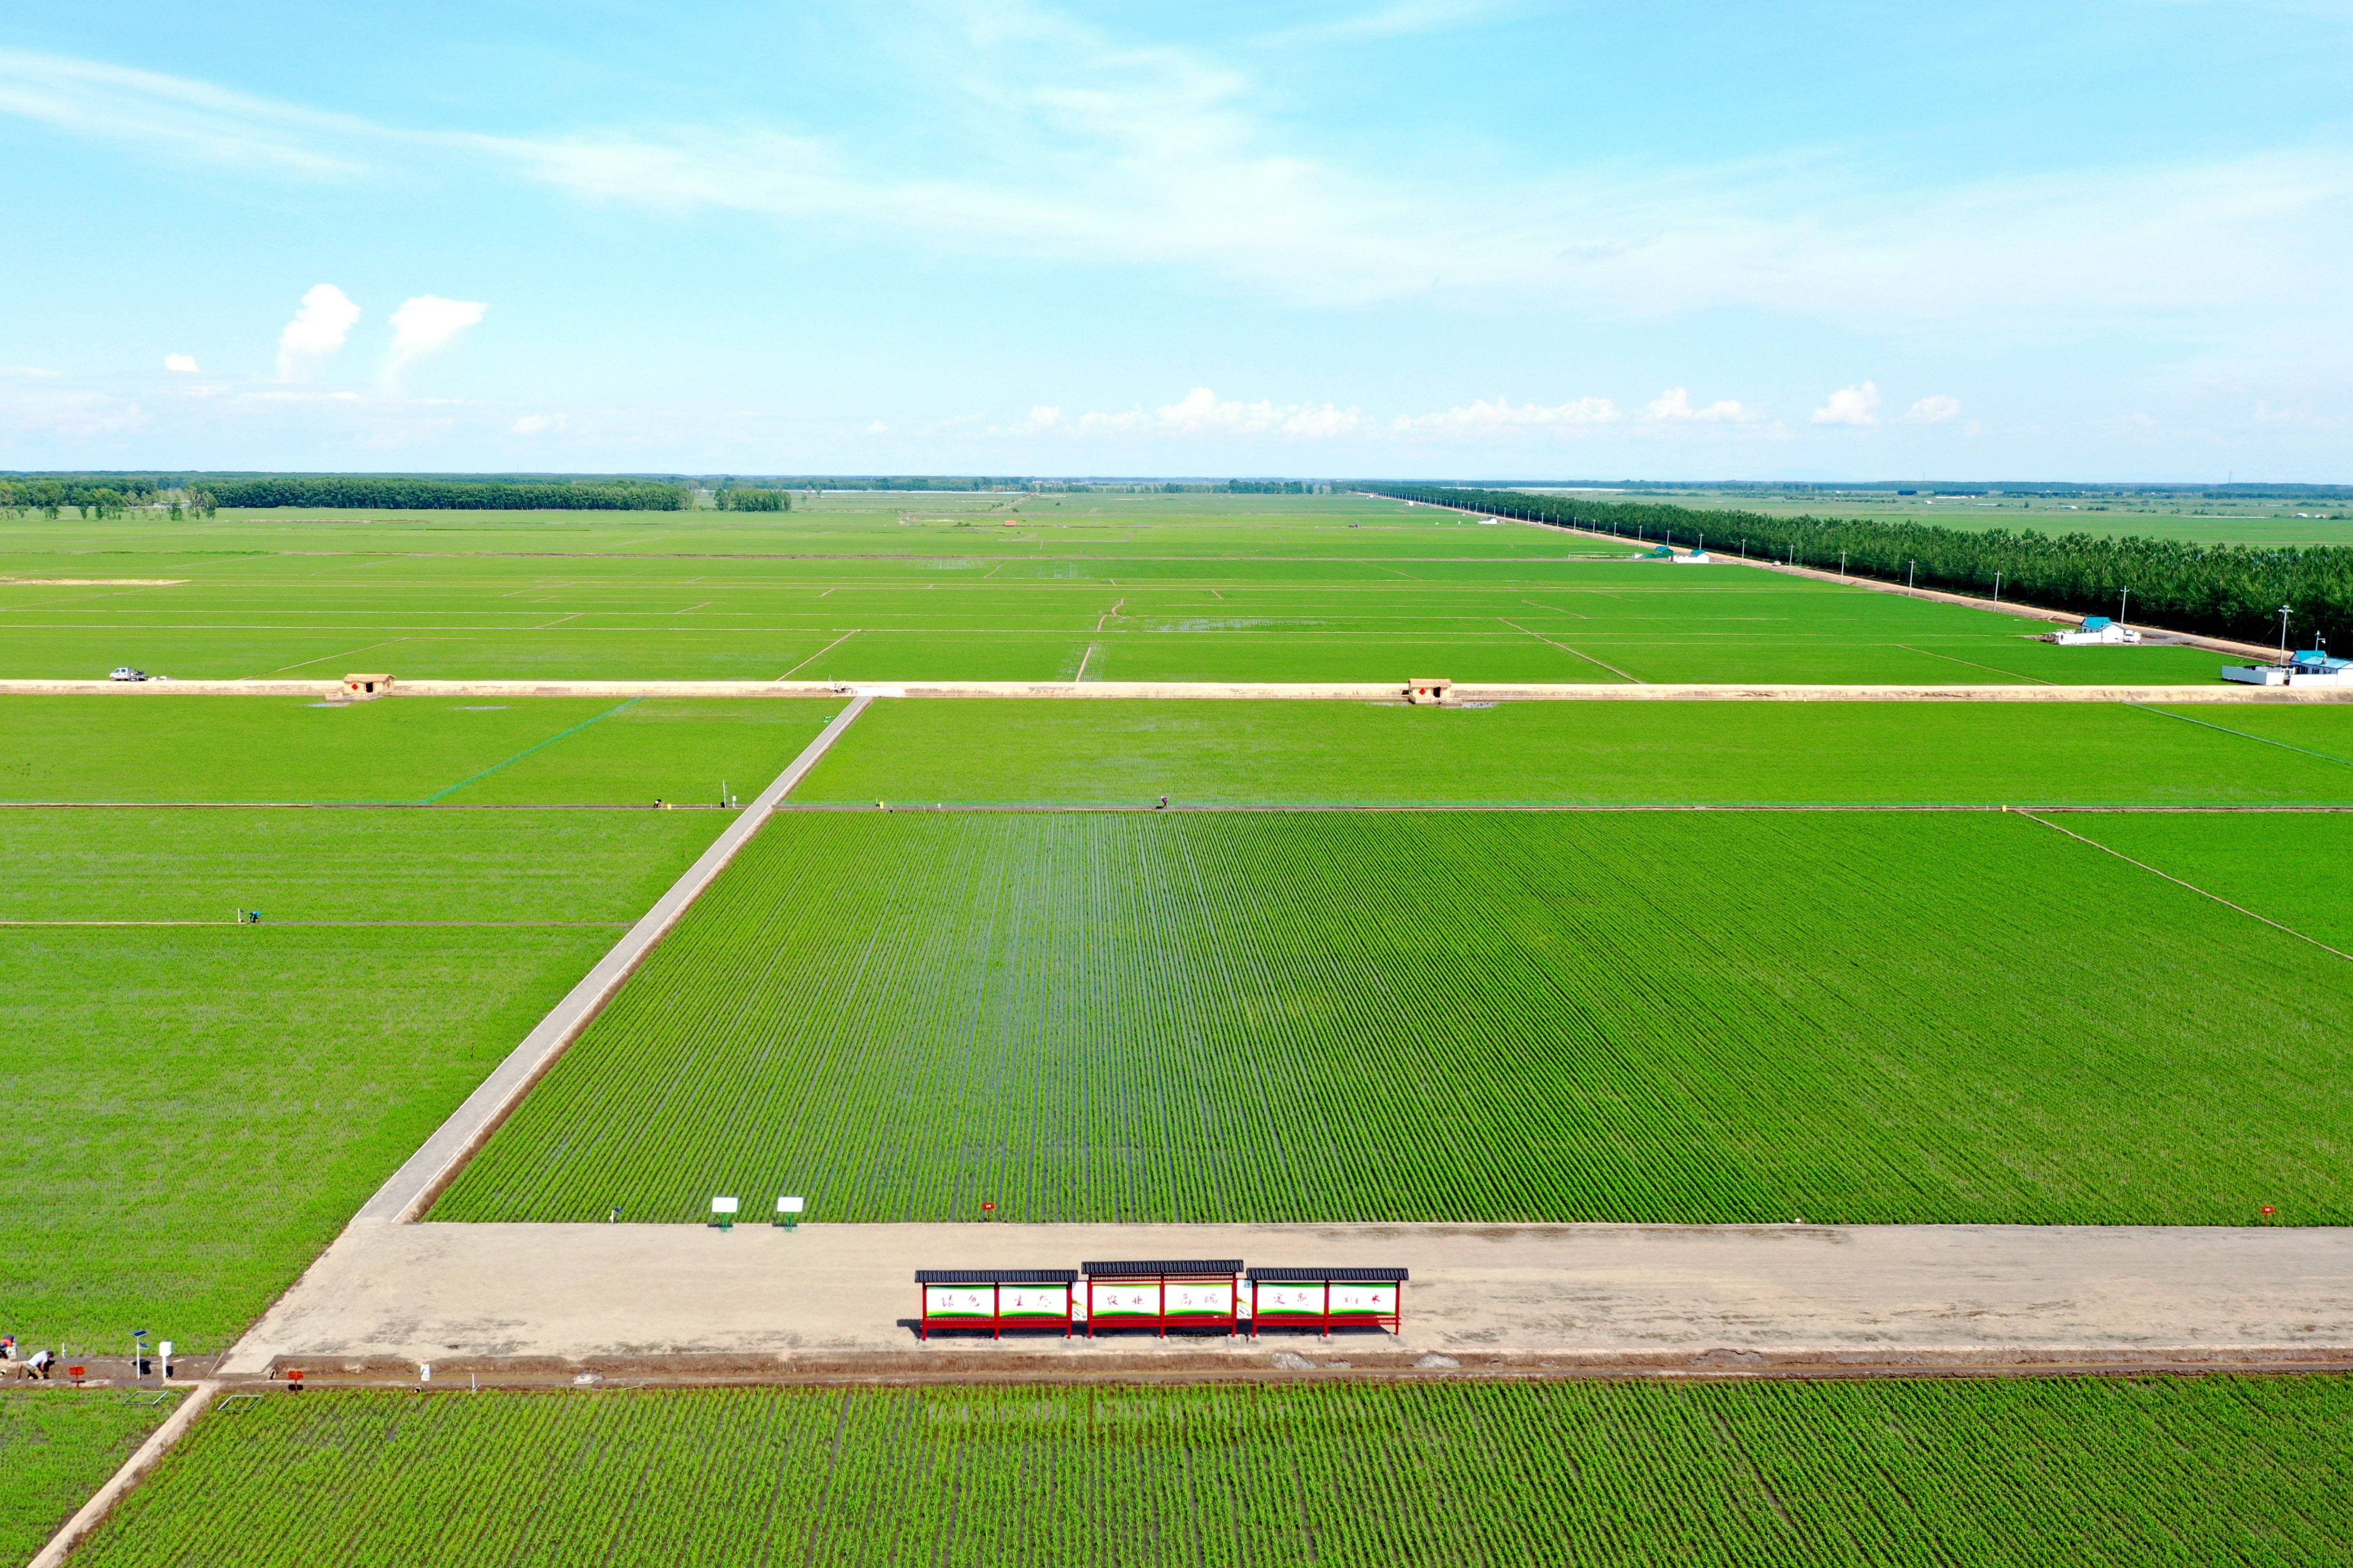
1448	238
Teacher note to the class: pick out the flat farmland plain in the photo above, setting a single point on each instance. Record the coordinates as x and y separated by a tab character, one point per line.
1186	587
199	1105
1720	1017
406	750
2189	1472
1055	751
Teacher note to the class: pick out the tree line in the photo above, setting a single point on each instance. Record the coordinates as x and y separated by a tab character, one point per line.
2226	590
441	494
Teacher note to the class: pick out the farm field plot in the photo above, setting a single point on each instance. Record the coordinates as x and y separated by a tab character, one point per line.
1688	1018
199	1108
920	751
2205	1471
58	1446
2290	867
410	750
1142	588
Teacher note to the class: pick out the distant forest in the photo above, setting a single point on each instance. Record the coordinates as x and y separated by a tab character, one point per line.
2227	590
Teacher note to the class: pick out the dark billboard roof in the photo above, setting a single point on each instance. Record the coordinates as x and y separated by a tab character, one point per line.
996	1276
1344	1275
1182	1265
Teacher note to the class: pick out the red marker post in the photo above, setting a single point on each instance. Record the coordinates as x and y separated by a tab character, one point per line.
77	1373
2268	1211
988	1210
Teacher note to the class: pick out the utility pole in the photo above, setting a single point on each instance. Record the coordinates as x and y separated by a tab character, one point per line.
1910	571
1997	587
2283	634
2121	603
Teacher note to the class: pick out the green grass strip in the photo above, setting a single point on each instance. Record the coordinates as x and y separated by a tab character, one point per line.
526	751
2248	734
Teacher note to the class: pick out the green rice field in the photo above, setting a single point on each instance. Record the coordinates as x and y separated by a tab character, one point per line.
1717	1017
58	1446
406	751
2191	1472
199	1105
1131	752
879	589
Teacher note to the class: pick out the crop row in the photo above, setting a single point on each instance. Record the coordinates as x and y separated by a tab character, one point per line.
2211	1471
1446	1017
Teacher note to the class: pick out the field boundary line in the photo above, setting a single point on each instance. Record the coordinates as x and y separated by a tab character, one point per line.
2244	734
93	1513
2193	888
436	1163
1566	649
440	795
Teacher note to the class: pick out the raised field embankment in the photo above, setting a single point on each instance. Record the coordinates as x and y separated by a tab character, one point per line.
537	1302
1252	691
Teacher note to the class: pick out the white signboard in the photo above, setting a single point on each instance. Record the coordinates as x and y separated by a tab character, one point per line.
1032	1301
1217	1300
723	1205
791	1206
1107	1299
1377	1299
1302	1299
958	1300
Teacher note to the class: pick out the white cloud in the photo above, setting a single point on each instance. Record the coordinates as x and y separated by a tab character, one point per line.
1404	19
1075	147
180	364
173	114
1479	416
540	424
1933	410
1851	406
1201	412
1675	405
427	324
319	328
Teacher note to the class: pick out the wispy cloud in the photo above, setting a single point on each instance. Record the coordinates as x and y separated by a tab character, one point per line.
1404	19
1078	148
180	364
1933	410
321	324
1201	412
425	325
190	119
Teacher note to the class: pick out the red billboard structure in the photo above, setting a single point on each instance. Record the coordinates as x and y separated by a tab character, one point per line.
1328	1299
996	1299
1190	1293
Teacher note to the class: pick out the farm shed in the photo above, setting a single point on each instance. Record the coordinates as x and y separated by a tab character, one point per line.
1426	689
359	688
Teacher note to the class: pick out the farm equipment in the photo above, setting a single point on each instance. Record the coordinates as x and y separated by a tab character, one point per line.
2097	630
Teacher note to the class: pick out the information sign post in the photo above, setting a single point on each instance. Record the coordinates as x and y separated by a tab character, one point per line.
996	1299
1191	1293
1328	1299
